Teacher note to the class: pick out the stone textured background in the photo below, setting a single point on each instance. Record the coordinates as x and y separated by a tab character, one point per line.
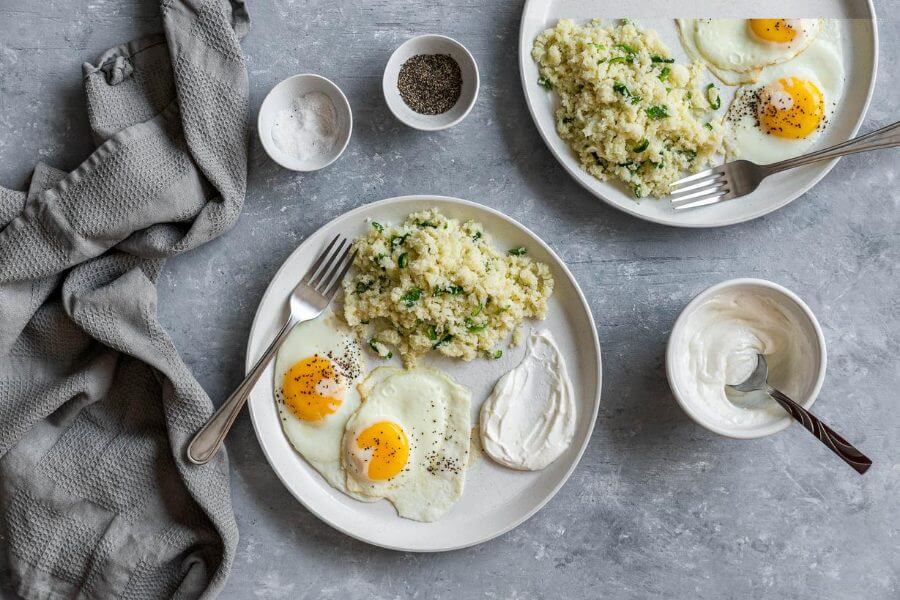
658	506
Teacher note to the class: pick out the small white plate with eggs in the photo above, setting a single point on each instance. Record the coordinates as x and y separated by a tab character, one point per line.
841	58
493	498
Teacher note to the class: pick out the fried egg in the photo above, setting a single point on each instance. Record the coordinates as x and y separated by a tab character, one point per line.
409	441
737	50
316	372
785	112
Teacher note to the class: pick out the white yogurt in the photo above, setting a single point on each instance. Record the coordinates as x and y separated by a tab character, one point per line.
529	419
717	346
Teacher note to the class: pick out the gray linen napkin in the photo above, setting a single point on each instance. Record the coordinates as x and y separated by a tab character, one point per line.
96	407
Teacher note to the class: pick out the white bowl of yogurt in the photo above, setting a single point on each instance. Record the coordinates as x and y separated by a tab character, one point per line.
714	343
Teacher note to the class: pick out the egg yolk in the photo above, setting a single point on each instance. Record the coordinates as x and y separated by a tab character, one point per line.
792	109
390	449
311	389
779	31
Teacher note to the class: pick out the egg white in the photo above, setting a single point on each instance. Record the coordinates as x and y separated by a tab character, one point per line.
319	442
822	64
733	53
433	411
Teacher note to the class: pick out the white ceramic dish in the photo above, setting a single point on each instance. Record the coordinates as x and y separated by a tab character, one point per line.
431	44
280	98
789	302
860	41
496	499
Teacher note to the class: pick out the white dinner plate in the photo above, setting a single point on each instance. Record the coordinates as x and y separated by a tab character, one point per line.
495	499
860	45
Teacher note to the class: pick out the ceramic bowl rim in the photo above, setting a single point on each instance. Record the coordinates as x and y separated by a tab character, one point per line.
264	108
389	88
769	428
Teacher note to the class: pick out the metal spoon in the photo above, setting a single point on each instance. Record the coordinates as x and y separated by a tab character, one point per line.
758	380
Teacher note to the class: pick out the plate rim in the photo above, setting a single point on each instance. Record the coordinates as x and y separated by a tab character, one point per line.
574	171
250	359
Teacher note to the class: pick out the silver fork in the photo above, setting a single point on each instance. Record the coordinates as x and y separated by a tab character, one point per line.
740	177
311	296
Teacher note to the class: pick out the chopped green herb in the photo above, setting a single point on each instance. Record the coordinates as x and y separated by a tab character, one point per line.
621	89
373	344
645	143
477	236
432	333
597	158
424	224
626	48
495	354
600	47
444	340
411	297
618	59
658	112
638	192
403	260
659	59
567	120
362	286
518	251
691	154
545	83
377	259
474	327
378	226
718	102
664	74
453	290
708	126
398	240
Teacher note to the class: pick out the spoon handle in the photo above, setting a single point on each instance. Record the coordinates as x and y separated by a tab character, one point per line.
826	434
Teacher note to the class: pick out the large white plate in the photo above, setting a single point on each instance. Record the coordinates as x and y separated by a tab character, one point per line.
495	499
860	40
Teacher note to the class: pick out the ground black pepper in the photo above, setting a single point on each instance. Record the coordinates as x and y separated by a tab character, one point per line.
430	84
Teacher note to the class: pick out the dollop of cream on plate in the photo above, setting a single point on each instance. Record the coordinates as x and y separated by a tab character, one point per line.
529	419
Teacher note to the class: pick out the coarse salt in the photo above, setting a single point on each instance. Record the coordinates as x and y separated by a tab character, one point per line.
308	129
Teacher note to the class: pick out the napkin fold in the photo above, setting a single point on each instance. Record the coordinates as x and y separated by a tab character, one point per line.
97	499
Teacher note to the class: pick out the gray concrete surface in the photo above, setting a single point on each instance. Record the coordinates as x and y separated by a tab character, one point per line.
658	508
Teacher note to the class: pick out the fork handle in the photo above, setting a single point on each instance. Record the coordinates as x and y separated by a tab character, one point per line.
850	455
207	441
886	137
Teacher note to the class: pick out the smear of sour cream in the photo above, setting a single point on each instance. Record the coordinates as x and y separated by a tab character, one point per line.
529	419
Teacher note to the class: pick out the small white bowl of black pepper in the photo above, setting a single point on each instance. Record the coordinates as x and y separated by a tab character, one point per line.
431	82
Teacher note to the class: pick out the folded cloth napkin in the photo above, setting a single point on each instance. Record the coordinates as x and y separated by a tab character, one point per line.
96	407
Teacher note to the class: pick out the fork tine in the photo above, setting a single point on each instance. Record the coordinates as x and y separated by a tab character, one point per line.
710	182
707	200
679	199
700	175
336	282
311	272
333	264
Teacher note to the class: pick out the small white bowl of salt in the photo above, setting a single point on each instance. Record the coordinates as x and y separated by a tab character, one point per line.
305	123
